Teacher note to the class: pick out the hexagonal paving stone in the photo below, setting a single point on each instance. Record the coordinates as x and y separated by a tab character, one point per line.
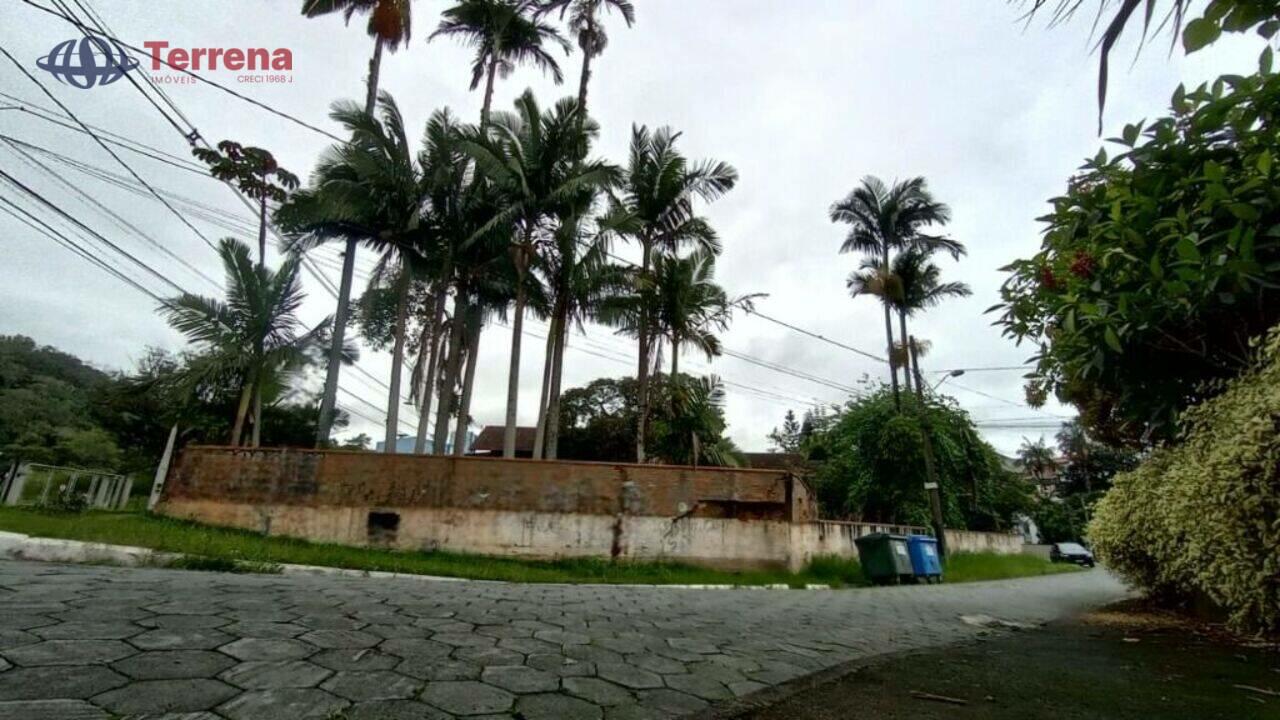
17	621
672	702
520	679
4	664
699	685
488	656
439	670
464	640
556	707
68	652
181	607
263	649
467	698
290	703
165	696
560	637
180	639
58	683
276	674
51	710
561	665
14	638
745	687
260	629
88	631
656	663
354	659
628	676
173	664
634	712
183	622
329	639
366	686
413	648
393	710
600	692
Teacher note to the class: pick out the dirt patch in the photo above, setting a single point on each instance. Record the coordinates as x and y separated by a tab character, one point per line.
1125	662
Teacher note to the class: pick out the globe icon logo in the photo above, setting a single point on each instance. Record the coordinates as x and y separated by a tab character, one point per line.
87	63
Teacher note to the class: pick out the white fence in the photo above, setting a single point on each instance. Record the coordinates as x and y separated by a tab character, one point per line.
36	484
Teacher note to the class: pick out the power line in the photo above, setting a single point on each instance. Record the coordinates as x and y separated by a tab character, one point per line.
98	236
1003	368
120	221
66	242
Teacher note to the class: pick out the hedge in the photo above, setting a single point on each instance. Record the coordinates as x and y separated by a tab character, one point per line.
1201	517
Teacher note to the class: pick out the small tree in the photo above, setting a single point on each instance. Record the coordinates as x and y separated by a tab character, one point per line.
788	438
257	174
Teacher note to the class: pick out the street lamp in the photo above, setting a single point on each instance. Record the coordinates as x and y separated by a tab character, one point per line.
948	376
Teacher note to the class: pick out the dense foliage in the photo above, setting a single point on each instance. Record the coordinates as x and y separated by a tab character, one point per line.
599	421
870	465
1159	265
56	409
1202	517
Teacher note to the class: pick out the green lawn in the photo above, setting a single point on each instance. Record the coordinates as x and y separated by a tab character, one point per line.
225	549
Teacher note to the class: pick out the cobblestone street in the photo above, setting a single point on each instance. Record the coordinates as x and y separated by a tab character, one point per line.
82	643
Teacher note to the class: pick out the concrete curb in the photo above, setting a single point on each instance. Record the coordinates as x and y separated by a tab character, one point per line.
16	546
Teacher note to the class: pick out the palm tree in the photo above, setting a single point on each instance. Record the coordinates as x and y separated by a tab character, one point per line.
505	33
695	426
390	24
884	219
580	280
534	160
655	207
919	287
691	306
253	335
368	190
584	22
257	174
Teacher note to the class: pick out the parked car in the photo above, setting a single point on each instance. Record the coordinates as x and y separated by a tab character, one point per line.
1071	553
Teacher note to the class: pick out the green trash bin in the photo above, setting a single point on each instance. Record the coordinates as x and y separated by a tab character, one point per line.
885	558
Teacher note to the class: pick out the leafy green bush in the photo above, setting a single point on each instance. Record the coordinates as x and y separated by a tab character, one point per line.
1202	517
1159	264
869	463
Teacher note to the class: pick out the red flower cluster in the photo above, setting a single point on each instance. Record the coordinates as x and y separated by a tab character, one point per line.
1047	279
1084	265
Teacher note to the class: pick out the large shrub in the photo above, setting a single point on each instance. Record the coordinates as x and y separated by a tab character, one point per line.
1202	517
1159	263
870	465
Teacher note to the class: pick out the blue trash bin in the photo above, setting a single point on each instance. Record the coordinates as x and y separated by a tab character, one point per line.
925	562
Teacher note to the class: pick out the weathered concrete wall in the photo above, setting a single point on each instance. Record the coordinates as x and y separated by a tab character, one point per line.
973	541
718	517
722	517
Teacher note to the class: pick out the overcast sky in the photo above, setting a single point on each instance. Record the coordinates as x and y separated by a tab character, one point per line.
802	97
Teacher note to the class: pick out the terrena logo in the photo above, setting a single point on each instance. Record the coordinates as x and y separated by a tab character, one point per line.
236	59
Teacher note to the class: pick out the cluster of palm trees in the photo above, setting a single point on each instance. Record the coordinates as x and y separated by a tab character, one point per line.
889	225
480	223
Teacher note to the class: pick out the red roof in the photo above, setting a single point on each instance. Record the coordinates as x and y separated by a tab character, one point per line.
490	439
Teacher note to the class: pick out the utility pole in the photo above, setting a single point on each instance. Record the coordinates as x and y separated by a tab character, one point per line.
931	472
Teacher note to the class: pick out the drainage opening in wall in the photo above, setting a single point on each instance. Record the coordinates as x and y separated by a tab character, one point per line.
383	527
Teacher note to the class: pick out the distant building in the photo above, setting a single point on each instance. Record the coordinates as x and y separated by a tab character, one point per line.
406	443
791	462
489	441
1047	483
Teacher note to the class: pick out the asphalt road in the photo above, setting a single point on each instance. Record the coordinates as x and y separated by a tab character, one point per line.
82	643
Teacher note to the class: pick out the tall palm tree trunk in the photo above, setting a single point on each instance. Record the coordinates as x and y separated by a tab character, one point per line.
488	90
540	434
557	375
517	331
468	383
375	68
906	348
583	80
255	437
262	231
237	429
397	360
675	359
642	372
328	400
430	375
888	333
452	367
